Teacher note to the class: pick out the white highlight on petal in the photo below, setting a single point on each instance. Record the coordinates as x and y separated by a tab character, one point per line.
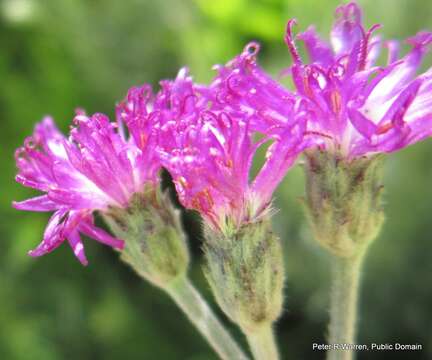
336	44
78	249
216	133
375	109
57	148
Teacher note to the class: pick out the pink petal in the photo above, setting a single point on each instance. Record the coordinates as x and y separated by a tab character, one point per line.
347	29
393	48
422	104
39	203
405	71
397	110
77	246
279	158
361	123
319	51
53	236
420	129
100	235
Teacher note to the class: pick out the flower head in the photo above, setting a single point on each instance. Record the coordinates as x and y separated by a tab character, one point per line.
94	169
356	107
208	145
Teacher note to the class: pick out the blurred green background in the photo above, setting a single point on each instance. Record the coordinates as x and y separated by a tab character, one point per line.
56	55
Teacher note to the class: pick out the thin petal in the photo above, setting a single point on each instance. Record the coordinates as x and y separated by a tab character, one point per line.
289	40
53	236
397	110
347	29
279	158
393	48
77	246
405	71
420	129
319	51
39	203
373	51
361	123
422	105
98	234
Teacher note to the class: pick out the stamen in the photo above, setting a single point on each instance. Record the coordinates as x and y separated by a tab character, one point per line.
201	199
143	139
182	181
336	101
382	129
313	132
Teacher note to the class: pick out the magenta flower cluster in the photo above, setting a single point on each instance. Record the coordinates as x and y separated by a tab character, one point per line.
207	136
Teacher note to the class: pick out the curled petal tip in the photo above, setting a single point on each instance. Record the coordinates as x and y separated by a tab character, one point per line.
289	27
289	40
251	49
374	28
291	23
29	142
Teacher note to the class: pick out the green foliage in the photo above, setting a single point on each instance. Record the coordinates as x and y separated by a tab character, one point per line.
68	53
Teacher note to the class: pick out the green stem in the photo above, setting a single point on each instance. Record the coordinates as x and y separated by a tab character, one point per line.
200	314
343	305
263	344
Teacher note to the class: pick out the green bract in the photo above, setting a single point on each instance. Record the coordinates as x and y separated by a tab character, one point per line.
246	272
155	245
343	200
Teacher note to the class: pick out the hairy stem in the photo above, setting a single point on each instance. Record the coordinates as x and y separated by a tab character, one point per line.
200	314
263	344
343	305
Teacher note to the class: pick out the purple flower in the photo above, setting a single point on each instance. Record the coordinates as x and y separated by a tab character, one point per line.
243	89
356	107
208	145
94	169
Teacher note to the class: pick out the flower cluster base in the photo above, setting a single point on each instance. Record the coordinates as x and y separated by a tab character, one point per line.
343	201
155	246
246	273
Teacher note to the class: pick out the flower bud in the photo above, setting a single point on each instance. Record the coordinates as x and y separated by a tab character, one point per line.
343	201
246	273
155	245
